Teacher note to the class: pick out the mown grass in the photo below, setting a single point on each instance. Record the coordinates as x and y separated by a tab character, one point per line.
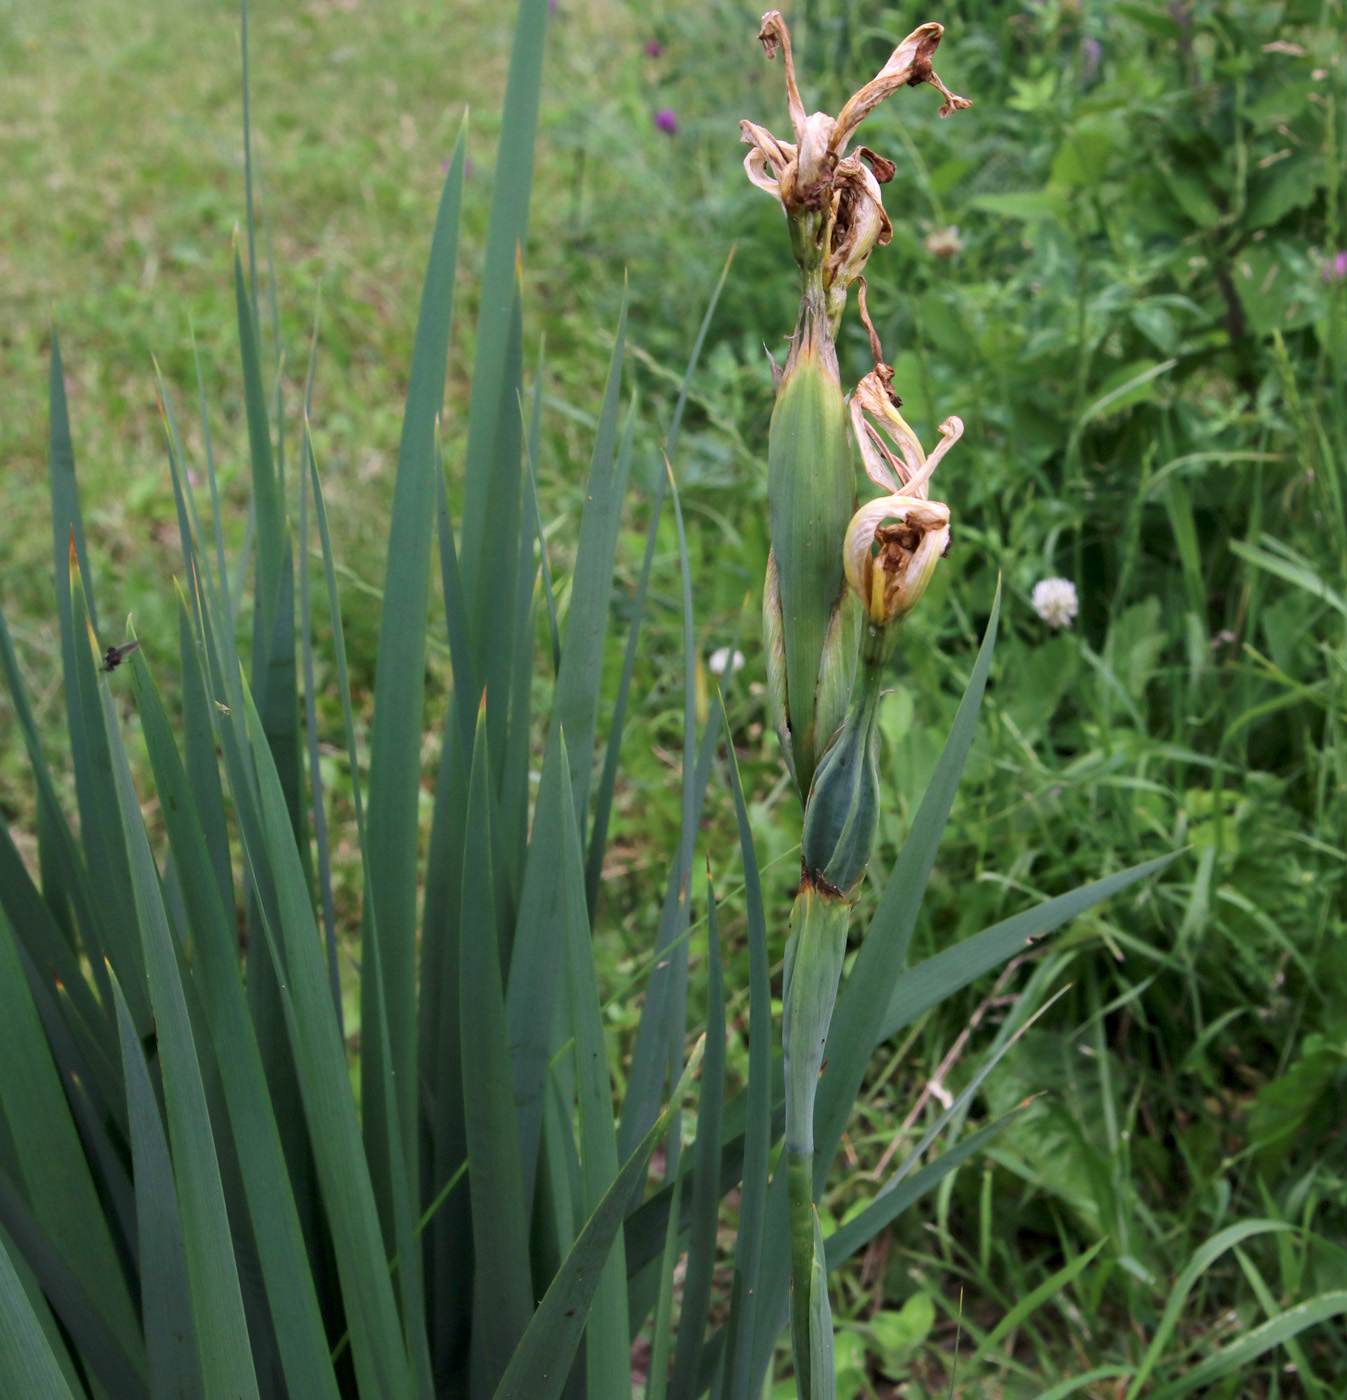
1108	204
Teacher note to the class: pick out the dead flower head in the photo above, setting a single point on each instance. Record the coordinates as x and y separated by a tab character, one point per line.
895	541
836	195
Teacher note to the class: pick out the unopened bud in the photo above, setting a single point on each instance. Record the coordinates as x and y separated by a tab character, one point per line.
843	809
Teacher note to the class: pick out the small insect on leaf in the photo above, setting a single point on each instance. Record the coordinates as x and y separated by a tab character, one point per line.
114	656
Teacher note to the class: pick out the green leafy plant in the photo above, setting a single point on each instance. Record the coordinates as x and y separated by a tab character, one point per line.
197	1196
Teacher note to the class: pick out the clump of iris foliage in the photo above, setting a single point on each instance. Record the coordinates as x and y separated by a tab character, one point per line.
1139	319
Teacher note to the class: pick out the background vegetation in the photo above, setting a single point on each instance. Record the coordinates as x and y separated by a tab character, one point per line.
1142	319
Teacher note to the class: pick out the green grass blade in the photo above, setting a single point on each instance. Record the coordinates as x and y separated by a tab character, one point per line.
502	1288
603	805
27	1365
575	704
494	389
271	1204
1292	570
607	1336
940	976
399	699
1203	1258
886	1208
1276	1331
866	993
1078	1383
1051	1286
541	1363
706	1193
165	1290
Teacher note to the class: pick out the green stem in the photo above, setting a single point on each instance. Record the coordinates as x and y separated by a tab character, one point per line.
814	954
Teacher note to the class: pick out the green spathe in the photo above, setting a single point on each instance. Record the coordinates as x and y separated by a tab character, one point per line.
811	486
843	809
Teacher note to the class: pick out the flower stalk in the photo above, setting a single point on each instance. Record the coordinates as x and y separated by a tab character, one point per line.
840	582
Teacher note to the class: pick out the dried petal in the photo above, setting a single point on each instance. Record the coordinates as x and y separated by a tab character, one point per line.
859	224
908	66
774	34
909	470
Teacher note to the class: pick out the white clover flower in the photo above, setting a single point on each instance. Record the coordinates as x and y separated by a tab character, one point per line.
724	659
1055	601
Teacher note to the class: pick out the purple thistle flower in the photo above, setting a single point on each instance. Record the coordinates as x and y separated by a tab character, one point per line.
654	48
1335	270
666	120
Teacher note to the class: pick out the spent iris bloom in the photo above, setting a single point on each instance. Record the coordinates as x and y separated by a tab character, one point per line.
895	541
666	120
1055	601
654	48
833	199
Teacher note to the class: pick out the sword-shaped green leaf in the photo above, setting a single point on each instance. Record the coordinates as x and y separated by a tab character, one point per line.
502	1288
27	1365
217	1305
288	1279
540	1365
607	1338
399	697
706	1193
53	1173
165	1289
